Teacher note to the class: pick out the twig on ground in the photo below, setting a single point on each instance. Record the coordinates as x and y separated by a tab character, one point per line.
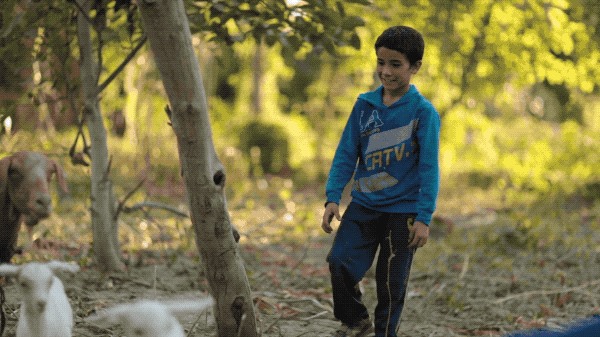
273	324
547	292
465	267
189	334
306	299
325	312
138	282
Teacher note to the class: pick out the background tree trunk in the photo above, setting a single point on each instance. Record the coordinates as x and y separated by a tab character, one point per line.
167	28
258	79
104	226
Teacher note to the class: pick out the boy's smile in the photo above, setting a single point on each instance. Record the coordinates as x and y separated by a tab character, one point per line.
394	71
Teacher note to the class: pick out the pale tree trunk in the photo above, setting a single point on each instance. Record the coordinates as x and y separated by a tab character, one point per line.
167	28
104	226
257	79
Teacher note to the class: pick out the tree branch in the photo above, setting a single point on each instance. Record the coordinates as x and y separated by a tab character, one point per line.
158	205
121	66
15	21
122	203
83	12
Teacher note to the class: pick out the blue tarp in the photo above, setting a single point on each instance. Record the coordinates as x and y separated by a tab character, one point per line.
586	328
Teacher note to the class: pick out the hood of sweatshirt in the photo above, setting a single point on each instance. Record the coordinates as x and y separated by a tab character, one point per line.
375	97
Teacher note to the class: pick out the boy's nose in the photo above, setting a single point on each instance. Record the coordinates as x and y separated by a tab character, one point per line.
386	71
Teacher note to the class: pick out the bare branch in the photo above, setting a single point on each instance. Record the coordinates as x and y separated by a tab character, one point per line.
85	15
15	21
122	203
121	66
151	204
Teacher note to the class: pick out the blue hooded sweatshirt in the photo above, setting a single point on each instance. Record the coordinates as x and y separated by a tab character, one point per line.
397	149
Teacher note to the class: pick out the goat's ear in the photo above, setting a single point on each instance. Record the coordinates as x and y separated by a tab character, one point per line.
188	306
55	168
62	266
9	269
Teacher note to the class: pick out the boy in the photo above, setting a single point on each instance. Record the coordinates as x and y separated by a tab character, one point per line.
393	133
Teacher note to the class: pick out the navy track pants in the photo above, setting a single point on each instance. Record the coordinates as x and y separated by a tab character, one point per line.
361	232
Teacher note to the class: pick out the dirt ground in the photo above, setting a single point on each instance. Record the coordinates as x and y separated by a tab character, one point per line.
450	294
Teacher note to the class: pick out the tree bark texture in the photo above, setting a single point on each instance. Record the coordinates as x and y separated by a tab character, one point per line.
104	226
166	25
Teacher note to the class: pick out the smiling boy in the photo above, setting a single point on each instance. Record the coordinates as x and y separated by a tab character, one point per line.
390	145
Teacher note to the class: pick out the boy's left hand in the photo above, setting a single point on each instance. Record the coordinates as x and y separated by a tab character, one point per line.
418	234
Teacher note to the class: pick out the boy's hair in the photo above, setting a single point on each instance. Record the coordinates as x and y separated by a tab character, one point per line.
404	39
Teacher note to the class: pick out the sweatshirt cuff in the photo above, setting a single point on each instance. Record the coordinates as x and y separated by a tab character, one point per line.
424	219
333	197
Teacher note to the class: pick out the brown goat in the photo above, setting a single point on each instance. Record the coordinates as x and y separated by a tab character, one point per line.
24	195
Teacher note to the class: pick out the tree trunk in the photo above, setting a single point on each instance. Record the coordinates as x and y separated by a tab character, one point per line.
258	79
104	226
167	28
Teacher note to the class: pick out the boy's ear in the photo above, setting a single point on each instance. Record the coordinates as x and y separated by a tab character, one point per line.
416	66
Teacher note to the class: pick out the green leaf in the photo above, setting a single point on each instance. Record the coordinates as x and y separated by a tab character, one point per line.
270	37
294	41
352	22
354	41
329	45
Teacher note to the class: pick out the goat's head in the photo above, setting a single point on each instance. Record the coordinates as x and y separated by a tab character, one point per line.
147	318
35	280
26	176
144	319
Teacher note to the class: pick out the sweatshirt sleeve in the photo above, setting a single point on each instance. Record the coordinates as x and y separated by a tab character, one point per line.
344	161
428	134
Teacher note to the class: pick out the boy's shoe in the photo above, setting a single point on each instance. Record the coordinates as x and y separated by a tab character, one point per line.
364	328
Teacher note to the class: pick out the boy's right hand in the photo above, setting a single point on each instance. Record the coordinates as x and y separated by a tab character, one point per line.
331	209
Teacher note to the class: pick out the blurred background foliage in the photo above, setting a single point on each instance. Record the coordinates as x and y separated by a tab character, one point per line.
517	84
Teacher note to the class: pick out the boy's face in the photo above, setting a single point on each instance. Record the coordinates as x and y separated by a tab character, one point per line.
395	71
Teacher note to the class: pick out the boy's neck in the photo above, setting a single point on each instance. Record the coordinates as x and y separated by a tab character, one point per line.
390	98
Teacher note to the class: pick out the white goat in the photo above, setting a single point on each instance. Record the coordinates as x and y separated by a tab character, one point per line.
45	309
147	318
